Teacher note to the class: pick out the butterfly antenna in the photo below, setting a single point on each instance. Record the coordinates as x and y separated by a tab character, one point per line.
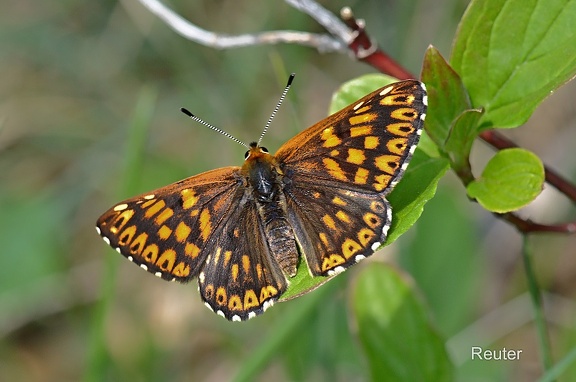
277	106
200	121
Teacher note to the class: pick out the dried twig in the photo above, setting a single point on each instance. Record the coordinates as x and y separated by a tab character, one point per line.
322	42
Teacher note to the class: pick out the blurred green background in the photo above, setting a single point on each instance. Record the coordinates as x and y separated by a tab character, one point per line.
84	85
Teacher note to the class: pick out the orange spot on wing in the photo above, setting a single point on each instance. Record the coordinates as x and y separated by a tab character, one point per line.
182	232
121	220
191	250
334	169
167	260
342	216
356	156
361	176
246	263
362	118
371	142
327	219
127	235
189	198
350	248
164	232
155	207
403	129
405	114
360	130
150	253
332	261
397	145
382	181
138	244
181	270
330	140
164	215
250	299
387	163
338	201
235	303
205	224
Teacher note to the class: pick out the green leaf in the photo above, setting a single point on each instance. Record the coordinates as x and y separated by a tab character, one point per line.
394	329
447	97
512	54
415	189
460	259
463	132
511	180
357	88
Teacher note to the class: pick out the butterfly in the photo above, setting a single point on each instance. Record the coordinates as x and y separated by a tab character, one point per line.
242	230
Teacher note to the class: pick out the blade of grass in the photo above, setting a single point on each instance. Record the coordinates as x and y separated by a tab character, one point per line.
98	358
536	297
560	367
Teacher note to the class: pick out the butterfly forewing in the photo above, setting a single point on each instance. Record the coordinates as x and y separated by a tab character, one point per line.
365	145
168	231
233	228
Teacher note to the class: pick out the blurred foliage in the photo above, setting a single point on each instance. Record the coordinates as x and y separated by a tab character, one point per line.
74	77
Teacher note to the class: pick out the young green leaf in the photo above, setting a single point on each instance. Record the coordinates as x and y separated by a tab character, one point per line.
447	97
511	180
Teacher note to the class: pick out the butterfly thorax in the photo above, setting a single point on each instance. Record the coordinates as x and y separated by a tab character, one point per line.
264	181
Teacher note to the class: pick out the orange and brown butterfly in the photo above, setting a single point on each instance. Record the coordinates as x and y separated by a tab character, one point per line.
242	230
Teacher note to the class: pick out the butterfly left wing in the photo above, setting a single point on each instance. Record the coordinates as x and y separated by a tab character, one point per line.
206	226
338	172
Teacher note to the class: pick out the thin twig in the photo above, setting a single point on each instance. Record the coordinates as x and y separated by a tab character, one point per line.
528	226
324	17
322	42
366	49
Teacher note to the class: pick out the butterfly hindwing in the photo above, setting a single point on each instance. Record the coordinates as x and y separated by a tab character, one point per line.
240	279
336	227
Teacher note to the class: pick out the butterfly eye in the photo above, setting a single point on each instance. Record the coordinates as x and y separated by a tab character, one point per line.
264	149
247	154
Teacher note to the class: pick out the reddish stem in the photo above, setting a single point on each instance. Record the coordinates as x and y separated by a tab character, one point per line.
366	50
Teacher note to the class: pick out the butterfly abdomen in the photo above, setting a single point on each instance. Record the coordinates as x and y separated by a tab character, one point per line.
265	185
279	234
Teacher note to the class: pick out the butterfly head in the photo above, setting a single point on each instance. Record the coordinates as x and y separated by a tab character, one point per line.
256	151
